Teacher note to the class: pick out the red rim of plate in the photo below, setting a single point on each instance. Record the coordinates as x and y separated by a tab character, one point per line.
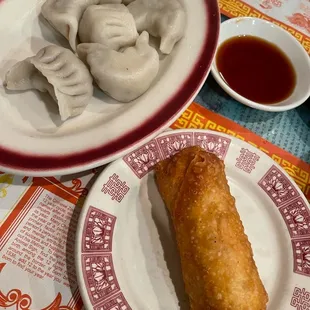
30	162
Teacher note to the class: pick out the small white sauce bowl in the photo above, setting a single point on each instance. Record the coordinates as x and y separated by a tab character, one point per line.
286	42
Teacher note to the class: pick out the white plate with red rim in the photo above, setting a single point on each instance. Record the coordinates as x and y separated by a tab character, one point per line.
35	142
126	256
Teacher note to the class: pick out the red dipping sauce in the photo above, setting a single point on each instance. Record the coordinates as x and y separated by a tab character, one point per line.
256	69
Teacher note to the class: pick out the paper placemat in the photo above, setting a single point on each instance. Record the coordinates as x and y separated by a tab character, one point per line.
39	217
292	15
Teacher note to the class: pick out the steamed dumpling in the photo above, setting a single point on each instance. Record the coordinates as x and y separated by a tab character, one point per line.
126	2
59	72
110	25
65	15
123	76
161	18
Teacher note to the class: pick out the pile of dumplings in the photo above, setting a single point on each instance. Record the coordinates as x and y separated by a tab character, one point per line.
110	45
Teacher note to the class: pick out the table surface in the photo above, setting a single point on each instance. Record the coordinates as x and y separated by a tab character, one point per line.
289	130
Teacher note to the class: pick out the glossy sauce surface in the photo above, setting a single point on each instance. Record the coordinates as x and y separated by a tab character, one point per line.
256	69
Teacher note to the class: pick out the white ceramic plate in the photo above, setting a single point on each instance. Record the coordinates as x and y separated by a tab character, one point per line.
126	256
34	141
286	42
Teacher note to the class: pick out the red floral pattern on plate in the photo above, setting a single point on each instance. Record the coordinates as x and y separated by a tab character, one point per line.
116	188
300	20
142	160
247	160
99	275
212	143
172	144
278	187
301	252
297	218
98	231
269	4
300	299
117	302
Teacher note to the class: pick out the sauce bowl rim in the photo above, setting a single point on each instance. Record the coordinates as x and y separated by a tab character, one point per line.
276	107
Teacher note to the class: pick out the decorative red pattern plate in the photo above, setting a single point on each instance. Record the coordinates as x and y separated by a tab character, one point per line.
33	139
126	256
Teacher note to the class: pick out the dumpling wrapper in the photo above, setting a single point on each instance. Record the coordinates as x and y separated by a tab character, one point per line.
59	72
123	76
110	25
65	15
161	18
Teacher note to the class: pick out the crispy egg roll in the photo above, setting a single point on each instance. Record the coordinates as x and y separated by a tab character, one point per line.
217	262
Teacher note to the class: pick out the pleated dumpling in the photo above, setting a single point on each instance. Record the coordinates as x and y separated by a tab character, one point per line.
109	24
65	15
59	72
123	76
161	18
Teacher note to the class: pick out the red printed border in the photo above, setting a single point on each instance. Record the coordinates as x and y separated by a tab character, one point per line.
70	194
99	275
142	160
247	160
174	143
297	218
115	188
50	184
295	213
5	236
301	252
213	143
300	299
115	302
98	231
278	187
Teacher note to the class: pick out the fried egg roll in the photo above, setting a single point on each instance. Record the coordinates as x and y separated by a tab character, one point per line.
217	262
